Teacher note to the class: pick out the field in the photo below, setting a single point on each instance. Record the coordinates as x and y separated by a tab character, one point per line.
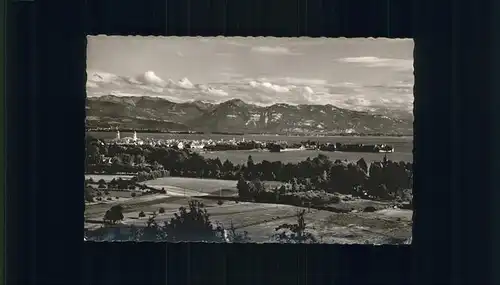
260	219
107	178
182	186
192	184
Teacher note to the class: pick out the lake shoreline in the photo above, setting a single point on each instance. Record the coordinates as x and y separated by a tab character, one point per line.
305	135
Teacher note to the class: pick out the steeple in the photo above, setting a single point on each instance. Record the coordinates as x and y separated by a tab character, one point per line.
117	134
135	136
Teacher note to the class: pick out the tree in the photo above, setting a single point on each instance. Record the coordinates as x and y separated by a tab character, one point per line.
235	237
228	165
127	159
295	185
362	164
242	186
139	159
250	163
295	233
380	191
116	160
88	195
93	154
193	224
257	186
113	215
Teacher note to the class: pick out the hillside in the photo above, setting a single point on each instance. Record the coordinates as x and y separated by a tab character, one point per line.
236	116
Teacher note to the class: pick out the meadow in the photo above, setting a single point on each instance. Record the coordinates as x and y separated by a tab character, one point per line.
260	219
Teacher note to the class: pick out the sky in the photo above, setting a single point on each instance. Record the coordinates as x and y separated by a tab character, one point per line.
361	74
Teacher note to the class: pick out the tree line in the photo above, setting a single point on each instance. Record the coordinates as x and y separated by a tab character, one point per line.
383	179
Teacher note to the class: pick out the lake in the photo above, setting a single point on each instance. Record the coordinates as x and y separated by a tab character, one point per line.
403	146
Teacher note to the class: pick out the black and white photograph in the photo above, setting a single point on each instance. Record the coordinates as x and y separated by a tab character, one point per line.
249	140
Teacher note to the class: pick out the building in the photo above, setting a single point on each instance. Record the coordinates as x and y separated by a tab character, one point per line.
127	140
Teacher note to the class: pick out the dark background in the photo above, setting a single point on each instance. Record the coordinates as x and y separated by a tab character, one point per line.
455	179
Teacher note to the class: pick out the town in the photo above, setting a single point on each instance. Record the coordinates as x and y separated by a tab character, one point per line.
233	144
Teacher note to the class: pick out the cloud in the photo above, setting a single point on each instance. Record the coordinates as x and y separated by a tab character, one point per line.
226	54
231	75
372	61
180	54
308	90
150	78
297	81
267	86
102	77
397	96
273	50
213	91
235	43
151	88
91	85
185	83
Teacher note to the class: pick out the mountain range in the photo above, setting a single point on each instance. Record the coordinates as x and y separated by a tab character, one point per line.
235	115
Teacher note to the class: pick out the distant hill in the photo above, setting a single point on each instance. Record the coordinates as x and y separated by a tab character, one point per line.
237	116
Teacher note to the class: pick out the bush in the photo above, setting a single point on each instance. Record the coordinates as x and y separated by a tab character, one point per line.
109	199
193	224
88	195
220	202
141	214
106	192
295	233
113	215
133	194
369	209
233	236
161	210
